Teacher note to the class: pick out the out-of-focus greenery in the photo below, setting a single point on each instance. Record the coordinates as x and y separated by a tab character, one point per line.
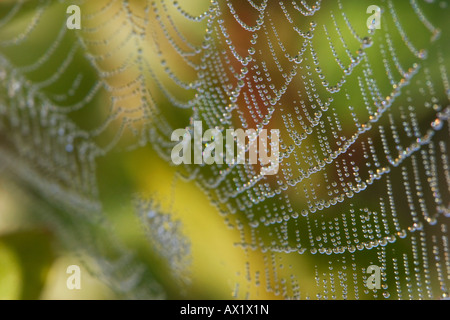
33	261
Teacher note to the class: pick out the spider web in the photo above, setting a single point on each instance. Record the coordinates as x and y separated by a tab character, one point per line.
363	117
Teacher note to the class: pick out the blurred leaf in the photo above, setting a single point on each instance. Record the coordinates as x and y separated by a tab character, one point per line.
30	254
